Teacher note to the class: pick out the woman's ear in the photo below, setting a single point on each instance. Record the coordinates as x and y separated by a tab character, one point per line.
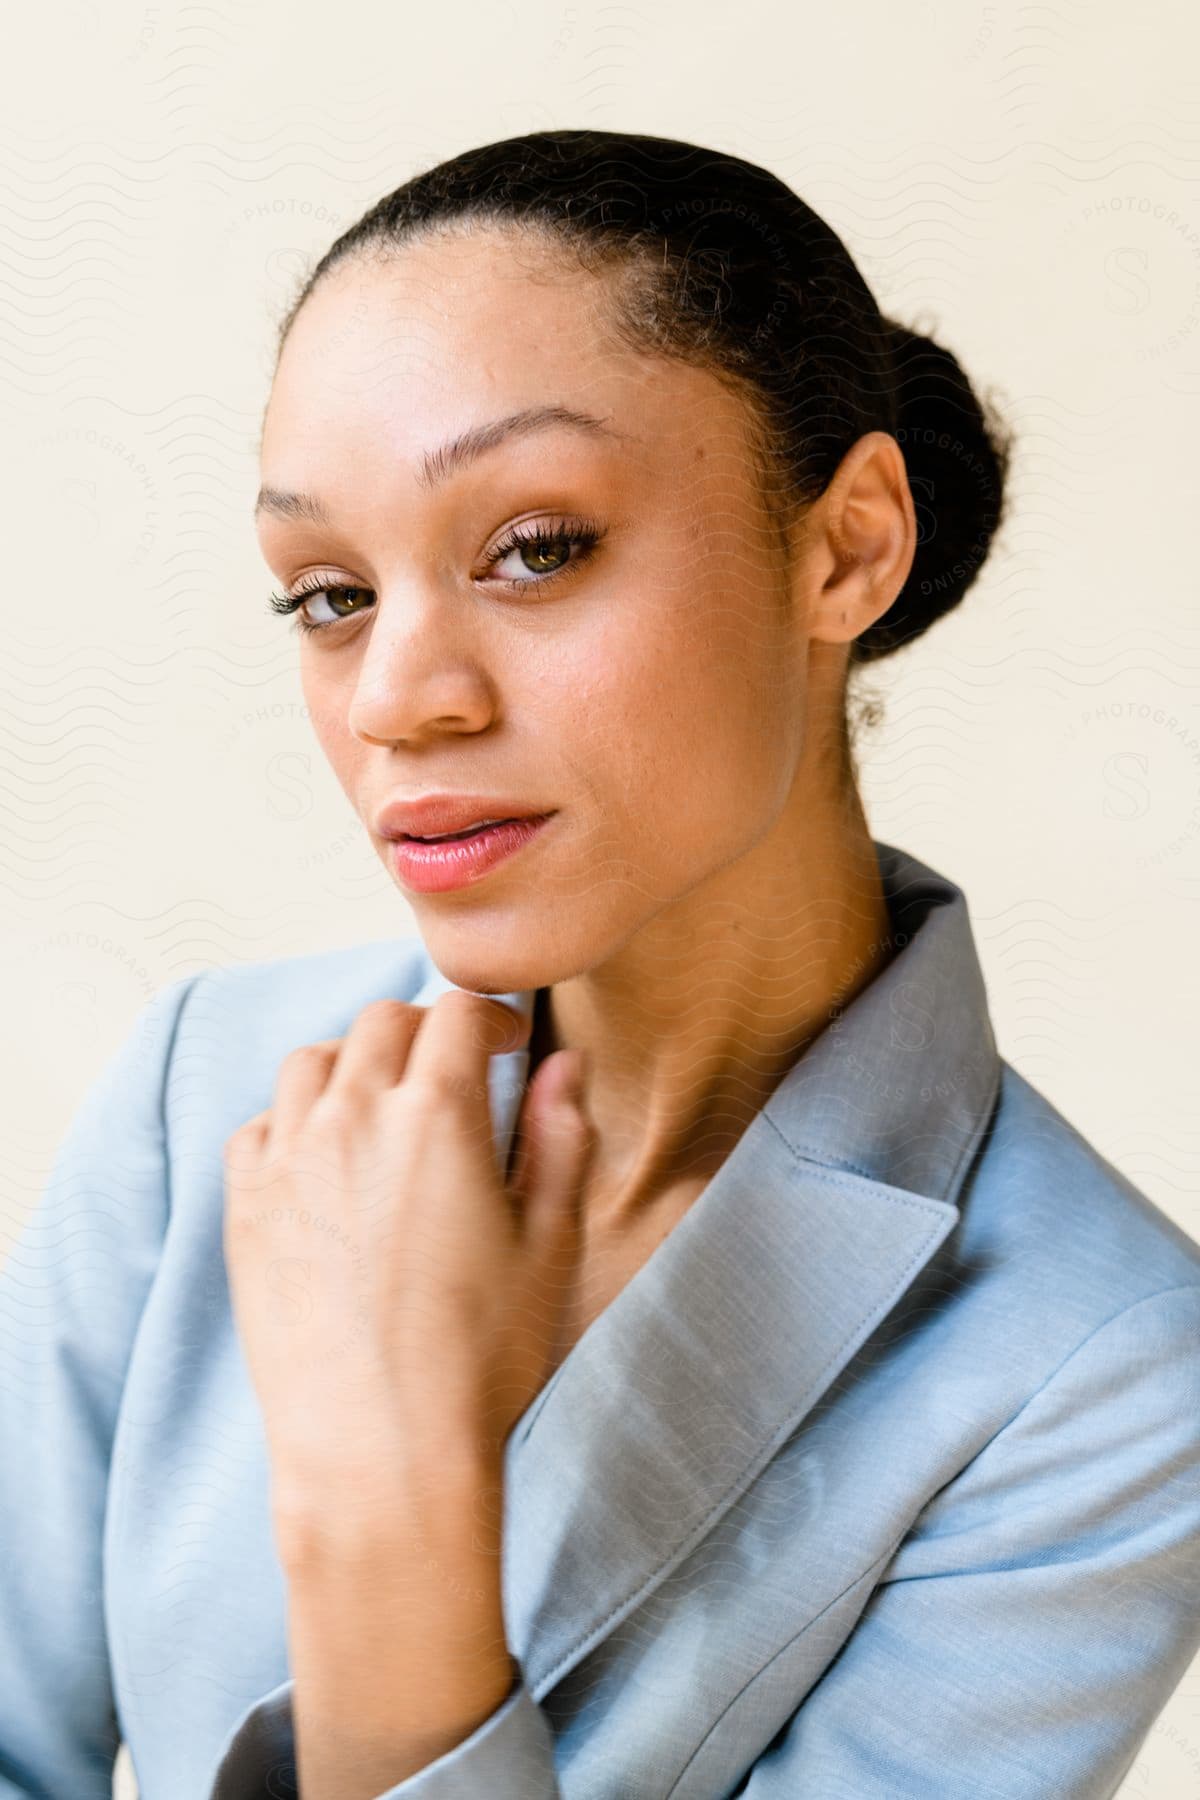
867	519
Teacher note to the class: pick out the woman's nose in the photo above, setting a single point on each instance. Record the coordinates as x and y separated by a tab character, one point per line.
419	677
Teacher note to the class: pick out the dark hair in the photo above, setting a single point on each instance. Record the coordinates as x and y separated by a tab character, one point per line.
724	266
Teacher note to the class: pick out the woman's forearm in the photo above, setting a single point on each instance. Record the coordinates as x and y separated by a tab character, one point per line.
395	1631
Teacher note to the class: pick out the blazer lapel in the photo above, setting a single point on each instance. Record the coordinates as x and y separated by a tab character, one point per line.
827	1211
680	1392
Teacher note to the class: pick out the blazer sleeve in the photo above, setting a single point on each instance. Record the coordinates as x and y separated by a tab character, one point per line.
509	1756
72	1286
1037	1618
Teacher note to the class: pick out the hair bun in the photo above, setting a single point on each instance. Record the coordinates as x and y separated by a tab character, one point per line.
956	451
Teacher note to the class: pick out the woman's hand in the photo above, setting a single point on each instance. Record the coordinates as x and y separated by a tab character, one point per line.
397	1302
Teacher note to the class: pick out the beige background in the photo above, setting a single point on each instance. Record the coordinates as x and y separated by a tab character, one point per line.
1025	180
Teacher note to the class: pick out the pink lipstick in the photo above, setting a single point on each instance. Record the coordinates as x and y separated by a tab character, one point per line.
457	861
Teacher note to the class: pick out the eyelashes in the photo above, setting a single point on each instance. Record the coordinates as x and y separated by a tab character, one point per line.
582	535
291	603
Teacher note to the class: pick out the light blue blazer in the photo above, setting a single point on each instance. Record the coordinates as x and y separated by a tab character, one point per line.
880	1480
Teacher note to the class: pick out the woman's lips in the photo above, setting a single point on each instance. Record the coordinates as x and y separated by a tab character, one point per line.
457	862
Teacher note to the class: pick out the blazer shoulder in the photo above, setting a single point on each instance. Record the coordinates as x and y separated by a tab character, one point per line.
394	966
1047	1205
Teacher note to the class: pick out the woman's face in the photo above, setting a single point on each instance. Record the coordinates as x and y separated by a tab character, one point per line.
650	693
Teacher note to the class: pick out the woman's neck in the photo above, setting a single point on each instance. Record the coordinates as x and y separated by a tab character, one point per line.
691	1026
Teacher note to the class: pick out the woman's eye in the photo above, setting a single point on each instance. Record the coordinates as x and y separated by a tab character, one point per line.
538	556
534	557
336	598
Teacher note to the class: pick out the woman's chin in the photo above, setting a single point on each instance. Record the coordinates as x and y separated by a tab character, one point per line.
485	968
513	948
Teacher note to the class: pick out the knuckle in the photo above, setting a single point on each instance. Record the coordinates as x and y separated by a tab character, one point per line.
332	1113
386	1010
304	1056
245	1135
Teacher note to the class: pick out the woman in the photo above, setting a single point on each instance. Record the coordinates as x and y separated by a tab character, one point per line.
642	1339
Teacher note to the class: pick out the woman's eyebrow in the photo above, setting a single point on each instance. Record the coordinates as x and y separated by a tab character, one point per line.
437	465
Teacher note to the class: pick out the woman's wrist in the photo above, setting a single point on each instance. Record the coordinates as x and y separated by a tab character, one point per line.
395	1622
344	1520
